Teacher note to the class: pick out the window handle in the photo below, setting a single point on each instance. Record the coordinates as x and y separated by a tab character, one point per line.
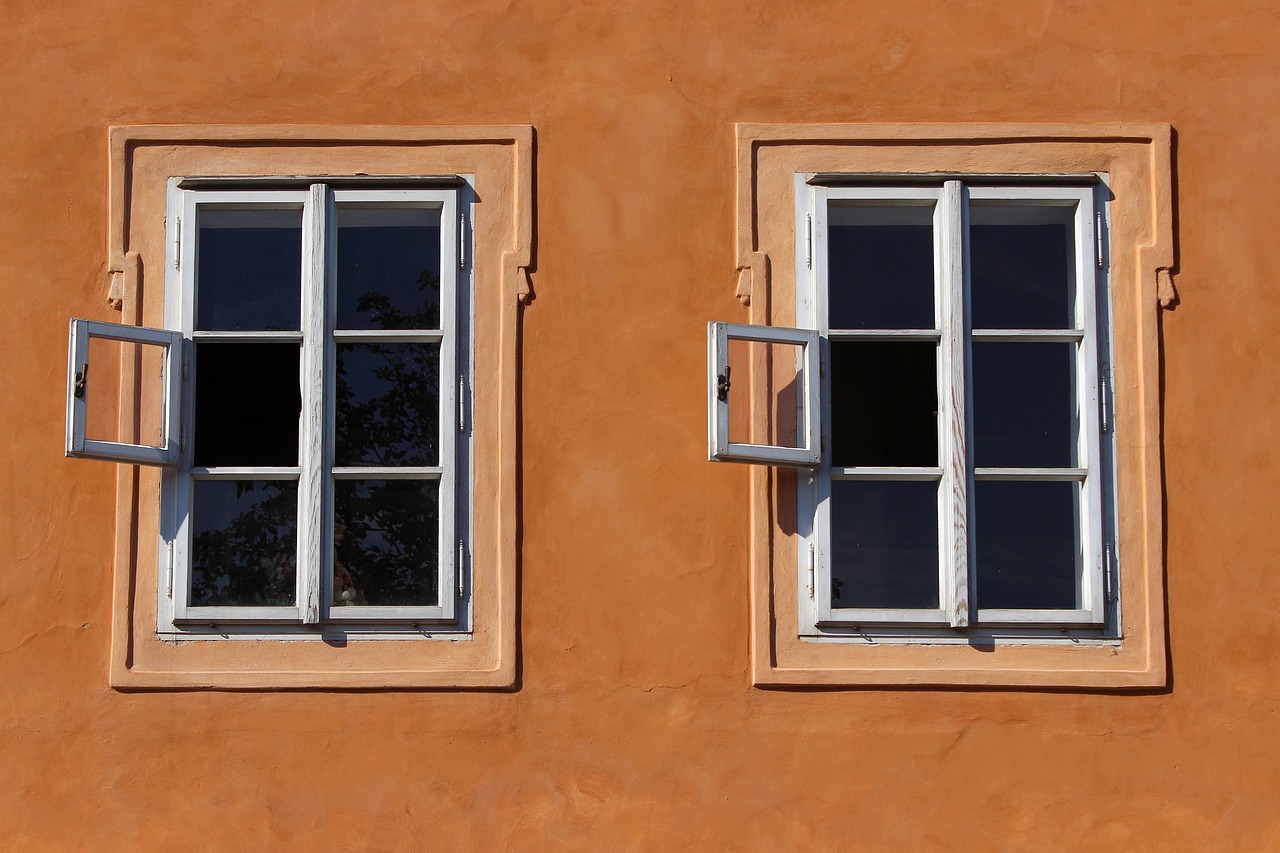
82	376
722	384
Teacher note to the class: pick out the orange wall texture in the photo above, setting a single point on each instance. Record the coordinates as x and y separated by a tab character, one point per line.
634	724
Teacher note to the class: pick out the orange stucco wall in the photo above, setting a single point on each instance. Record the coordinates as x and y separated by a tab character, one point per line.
634	724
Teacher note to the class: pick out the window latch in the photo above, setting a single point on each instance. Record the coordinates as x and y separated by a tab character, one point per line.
722	385
82	376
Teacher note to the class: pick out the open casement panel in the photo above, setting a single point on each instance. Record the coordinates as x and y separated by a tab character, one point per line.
769	366
82	389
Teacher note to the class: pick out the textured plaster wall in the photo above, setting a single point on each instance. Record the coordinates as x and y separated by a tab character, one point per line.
634	725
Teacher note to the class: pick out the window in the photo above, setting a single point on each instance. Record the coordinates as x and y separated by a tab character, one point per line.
317	384
983	506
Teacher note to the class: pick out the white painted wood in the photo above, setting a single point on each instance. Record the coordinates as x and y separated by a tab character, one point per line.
80	384
881	334
722	447
1070	474
1069	336
313	379
867	473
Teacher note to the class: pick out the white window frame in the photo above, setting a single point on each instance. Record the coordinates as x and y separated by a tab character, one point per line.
956	474
79	445
314	472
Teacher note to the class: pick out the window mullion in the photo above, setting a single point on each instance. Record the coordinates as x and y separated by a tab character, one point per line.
311	423
952	273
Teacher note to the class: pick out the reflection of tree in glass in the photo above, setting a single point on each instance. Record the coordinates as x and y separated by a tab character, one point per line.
387	400
250	560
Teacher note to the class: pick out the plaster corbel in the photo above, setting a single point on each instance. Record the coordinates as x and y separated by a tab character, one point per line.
754	272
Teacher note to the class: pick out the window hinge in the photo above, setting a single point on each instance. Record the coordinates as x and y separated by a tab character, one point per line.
1106	405
462	405
812	559
169	570
184	362
808	241
177	242
1108	573
1097	236
462	556
462	241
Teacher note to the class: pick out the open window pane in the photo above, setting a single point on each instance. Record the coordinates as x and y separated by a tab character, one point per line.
247	404
881	266
1025	409
779	364
249	270
386	543
884	544
1022	266
388	267
115	361
244	543
1027	543
884	403
388	404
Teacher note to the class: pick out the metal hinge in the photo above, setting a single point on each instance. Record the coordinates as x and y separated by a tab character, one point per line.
1108	572
462	241
462	404
808	241
169	571
812	559
177	243
1106	404
462	556
1097	236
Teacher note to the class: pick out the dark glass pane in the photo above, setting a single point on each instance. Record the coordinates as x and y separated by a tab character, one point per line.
1024	405
1022	261
881	267
388	404
884	544
247	404
244	542
884	403
1027	544
249	274
388	268
386	536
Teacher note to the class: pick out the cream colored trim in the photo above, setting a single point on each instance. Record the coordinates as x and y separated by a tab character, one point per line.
501	157
1138	161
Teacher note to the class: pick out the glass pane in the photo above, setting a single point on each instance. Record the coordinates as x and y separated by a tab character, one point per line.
248	401
386	536
249	272
244	542
884	403
1025	412
1027	544
884	544
388	404
784	363
1022	267
881	266
388	268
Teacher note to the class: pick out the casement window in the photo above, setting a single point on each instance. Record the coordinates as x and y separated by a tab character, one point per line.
316	428
951	432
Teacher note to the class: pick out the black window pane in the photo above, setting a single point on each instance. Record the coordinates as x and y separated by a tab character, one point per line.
388	268
1022	267
884	403
244	543
388	404
1027	544
386	542
249	271
880	261
1025	413
884	544
247	404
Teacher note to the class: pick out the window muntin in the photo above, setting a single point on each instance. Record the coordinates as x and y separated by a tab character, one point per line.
985	510
333	497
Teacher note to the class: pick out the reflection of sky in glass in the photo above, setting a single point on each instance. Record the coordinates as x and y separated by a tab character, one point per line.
247	404
388	268
1027	544
1021	272
884	544
1024	404
249	271
884	403
244	542
388	404
881	267
385	542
